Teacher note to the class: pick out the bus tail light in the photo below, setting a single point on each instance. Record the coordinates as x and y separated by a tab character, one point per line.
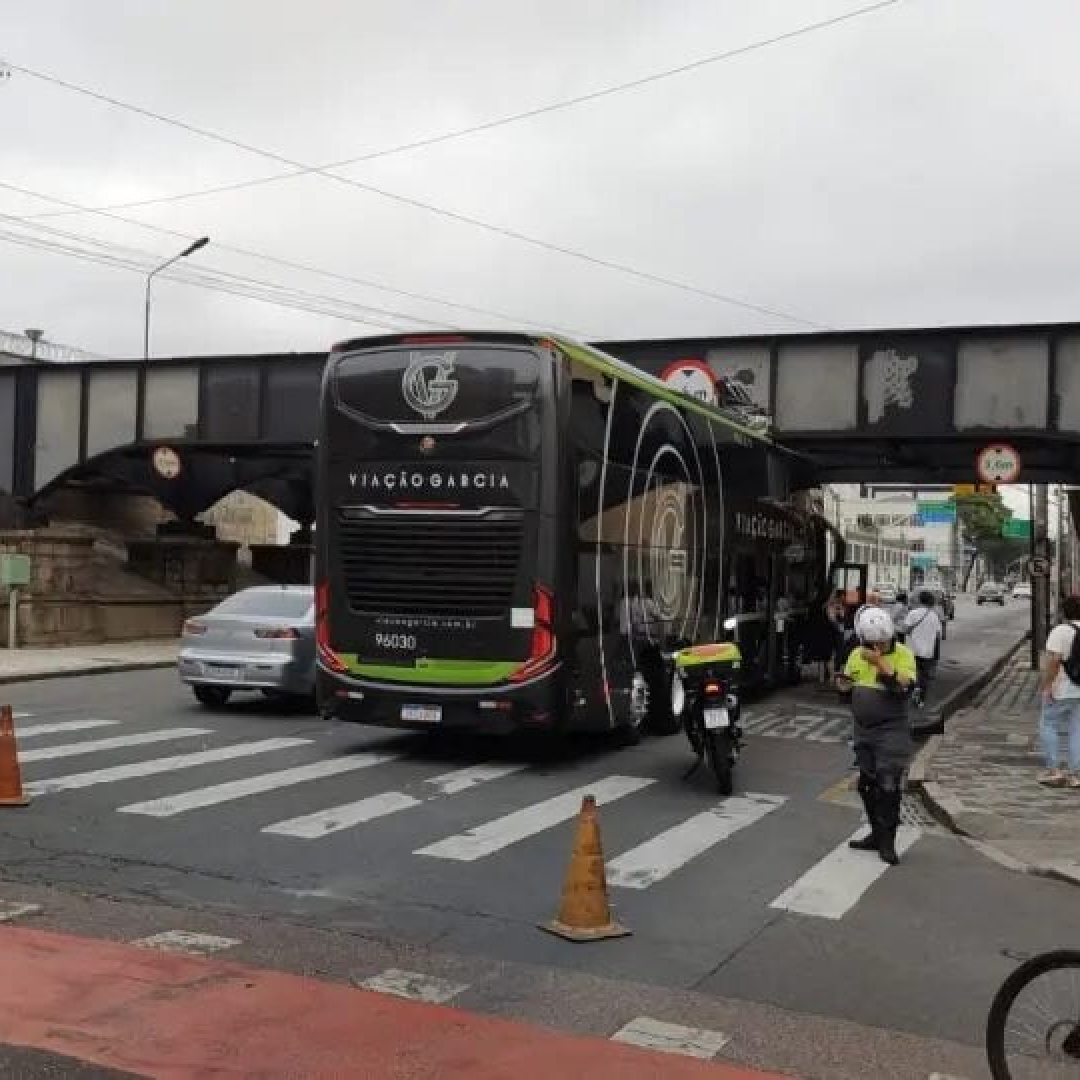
329	658
543	643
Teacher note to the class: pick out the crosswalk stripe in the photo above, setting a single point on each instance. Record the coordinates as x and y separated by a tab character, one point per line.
672	1038
414	986
336	818
312	826
117	742
187	942
452	783
672	849
495	835
834	885
33	730
215	794
155	766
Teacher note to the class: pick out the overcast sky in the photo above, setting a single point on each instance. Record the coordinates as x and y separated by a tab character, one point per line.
918	165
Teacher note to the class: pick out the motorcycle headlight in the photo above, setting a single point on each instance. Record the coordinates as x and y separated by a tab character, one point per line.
678	696
731	624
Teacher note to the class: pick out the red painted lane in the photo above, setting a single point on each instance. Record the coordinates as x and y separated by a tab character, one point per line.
178	1017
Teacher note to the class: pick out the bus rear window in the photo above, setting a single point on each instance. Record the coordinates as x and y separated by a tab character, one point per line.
437	384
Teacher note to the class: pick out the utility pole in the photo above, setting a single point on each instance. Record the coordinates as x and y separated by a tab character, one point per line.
1040	581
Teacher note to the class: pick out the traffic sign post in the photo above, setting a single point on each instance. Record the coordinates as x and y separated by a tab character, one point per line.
998	463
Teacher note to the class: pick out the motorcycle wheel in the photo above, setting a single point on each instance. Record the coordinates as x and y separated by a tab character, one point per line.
718	754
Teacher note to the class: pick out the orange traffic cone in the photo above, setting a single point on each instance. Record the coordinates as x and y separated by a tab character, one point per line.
584	914
11	792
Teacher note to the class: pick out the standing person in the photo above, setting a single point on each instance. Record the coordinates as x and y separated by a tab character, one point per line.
899	613
925	632
881	674
1060	686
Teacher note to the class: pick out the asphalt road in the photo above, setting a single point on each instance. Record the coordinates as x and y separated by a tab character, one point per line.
344	850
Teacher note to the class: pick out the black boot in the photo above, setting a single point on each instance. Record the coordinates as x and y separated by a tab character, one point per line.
868	791
888	823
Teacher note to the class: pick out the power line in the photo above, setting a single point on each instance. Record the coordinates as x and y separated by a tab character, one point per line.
405	200
145	260
272	259
136	260
490	125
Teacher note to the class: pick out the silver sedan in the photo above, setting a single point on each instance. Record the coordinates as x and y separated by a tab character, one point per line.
258	639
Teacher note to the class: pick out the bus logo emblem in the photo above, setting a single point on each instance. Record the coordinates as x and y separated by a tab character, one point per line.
428	385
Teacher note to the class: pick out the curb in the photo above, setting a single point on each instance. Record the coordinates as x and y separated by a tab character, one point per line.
970	688
95	669
947	808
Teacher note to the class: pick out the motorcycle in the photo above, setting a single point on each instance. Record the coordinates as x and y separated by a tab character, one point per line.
705	700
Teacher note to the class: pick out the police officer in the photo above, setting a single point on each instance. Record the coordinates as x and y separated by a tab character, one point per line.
880	674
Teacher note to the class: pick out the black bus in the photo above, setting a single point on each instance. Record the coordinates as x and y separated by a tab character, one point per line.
510	527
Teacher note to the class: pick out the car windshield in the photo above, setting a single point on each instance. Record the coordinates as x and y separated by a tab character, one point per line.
270	603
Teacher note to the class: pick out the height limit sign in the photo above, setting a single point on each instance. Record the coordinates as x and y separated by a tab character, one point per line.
998	463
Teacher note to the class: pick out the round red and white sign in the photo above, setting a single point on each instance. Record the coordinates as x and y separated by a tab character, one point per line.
166	462
692	377
998	463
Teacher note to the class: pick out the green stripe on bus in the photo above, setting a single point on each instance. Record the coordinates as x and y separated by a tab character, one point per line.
439	672
643	380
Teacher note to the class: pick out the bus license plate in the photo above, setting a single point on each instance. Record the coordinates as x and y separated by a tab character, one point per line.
421	714
716	718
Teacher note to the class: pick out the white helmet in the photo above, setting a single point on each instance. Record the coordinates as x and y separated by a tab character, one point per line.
874	626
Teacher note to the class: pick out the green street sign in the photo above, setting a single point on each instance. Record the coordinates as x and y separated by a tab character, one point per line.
936	512
15	570
1016	529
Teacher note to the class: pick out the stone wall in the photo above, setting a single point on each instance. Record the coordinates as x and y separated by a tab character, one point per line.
58	606
78	595
129	515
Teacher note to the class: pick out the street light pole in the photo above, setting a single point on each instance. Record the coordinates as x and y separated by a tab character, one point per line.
194	246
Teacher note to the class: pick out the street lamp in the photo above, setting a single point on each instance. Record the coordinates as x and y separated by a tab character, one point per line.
189	250
35	336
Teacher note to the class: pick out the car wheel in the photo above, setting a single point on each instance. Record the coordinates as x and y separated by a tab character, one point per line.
213	697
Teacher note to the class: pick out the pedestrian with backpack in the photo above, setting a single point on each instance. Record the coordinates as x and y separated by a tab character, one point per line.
1060	685
924	630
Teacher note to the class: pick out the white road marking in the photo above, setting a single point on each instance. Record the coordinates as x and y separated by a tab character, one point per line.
171	805
666	852
336	818
117	742
155	766
495	835
184	941
349	815
21	715
672	1038
459	780
10	911
835	884
32	730
415	987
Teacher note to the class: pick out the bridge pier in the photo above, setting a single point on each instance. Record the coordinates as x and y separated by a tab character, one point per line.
185	564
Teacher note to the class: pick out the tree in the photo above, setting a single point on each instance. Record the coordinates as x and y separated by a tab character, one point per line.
982	518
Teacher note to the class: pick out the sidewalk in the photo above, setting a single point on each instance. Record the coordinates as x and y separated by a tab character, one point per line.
175	1017
981	778
24	665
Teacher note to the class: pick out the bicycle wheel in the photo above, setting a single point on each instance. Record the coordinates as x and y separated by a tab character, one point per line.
1033	1029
